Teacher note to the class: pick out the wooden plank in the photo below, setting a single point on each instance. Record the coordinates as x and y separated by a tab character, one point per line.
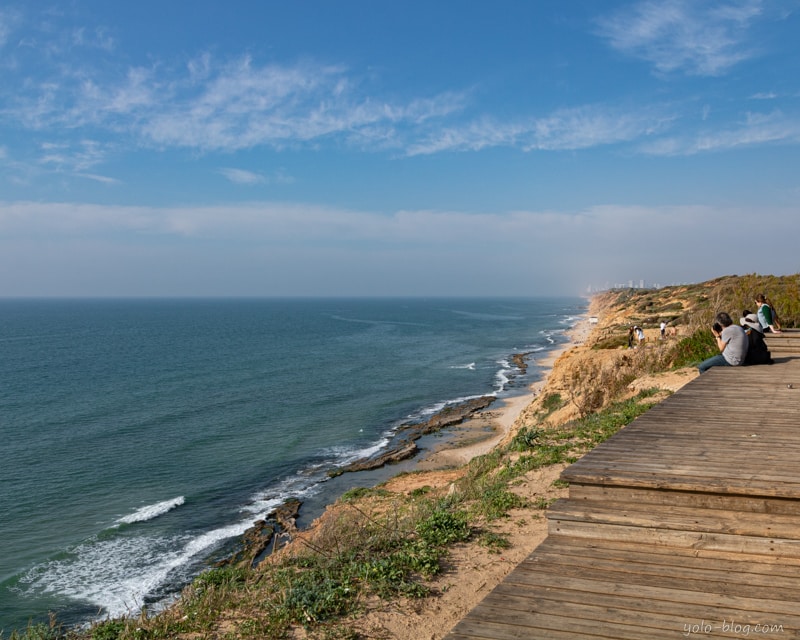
676	598
681	518
609	610
663	566
658	497
754	562
732	486
511	597
753	566
674	538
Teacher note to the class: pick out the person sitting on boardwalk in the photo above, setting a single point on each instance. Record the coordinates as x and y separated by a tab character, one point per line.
757	351
766	314
732	342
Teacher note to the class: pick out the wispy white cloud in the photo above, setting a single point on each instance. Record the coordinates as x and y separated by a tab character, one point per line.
241	176
99	178
226	107
691	36
564	129
209	105
245	177
753	129
764	96
64	156
241	105
97	38
9	20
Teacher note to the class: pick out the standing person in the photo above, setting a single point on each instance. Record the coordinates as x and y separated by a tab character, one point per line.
766	314
630	338
732	342
663	329
639	335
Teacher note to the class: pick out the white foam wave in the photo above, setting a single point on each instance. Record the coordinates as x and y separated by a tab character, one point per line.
470	366
117	574
502	376
549	335
304	483
152	511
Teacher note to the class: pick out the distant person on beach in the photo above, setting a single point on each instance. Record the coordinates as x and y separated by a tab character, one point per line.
732	342
766	314
757	351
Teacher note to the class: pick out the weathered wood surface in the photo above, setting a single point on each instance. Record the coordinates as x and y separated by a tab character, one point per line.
733	430
786	342
684	524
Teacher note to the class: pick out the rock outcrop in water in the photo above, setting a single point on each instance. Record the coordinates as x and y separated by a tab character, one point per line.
405	446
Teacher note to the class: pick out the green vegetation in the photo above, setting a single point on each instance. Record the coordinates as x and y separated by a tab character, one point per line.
695	305
37	632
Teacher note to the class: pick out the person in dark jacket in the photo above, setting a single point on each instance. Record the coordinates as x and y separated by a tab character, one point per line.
757	351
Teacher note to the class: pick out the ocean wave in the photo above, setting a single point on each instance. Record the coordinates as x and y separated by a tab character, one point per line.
116	575
151	511
470	366
503	376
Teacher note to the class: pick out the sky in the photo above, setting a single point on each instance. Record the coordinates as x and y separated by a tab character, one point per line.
387	148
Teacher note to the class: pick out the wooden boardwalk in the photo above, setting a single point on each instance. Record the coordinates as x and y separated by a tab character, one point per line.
685	524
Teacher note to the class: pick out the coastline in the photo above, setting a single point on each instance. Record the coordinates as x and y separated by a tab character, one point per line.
473	570
592	364
469	433
486	429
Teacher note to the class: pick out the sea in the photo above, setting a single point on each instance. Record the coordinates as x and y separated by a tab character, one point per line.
141	437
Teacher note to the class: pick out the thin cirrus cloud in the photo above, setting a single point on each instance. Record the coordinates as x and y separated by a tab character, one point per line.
226	107
243	106
246	177
242	176
209	105
564	129
686	36
754	129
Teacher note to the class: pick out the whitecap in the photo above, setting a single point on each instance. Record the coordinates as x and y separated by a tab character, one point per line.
151	511
116	575
470	366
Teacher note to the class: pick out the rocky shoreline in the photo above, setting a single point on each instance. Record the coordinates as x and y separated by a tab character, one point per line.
406	447
263	537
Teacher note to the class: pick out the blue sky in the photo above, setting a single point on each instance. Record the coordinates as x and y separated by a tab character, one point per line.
395	148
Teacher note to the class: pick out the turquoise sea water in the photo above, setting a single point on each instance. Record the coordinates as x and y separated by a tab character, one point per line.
141	437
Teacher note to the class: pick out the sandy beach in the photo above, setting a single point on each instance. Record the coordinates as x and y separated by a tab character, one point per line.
486	429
